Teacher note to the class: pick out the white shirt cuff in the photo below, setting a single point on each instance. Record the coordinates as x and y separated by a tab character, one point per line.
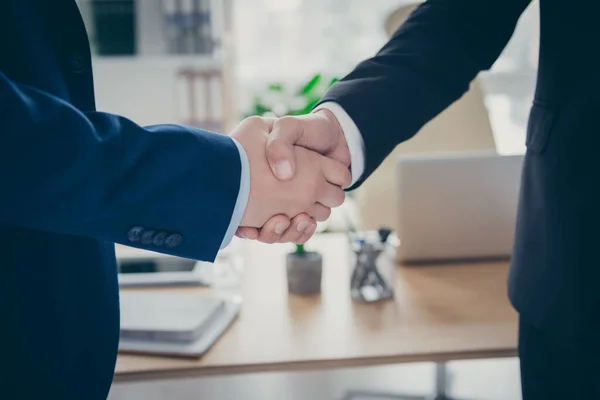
356	144
242	199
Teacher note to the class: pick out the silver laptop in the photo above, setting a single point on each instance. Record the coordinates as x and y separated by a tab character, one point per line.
457	206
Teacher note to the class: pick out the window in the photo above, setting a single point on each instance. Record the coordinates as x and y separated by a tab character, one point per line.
289	40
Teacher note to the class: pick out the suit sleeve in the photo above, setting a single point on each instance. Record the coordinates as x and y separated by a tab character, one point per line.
427	64
100	175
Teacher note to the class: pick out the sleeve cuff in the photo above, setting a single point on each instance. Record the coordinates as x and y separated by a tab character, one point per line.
242	199
356	145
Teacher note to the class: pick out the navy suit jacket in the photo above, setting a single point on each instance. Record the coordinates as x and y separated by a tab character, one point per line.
429	63
74	181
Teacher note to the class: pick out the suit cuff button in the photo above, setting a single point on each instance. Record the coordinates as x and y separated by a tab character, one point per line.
159	239
147	237
173	240
135	234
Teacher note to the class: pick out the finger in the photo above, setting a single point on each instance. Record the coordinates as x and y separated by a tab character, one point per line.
247	233
299	224
335	172
256	122
273	229
330	195
308	233
280	147
320	212
239	232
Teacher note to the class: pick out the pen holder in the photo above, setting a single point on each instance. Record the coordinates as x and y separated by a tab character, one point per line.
373	267
304	271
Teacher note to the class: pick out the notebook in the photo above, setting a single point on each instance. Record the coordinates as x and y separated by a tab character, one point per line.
184	324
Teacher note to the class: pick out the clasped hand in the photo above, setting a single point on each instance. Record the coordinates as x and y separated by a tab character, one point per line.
299	167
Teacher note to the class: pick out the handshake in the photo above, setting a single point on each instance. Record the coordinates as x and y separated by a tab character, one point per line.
299	167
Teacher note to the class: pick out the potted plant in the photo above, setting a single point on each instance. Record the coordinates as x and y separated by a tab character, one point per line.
304	271
278	100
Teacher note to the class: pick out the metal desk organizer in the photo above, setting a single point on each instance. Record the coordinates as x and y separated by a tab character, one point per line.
373	272
373	280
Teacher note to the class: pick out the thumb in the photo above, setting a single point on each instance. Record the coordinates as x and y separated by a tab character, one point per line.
280	147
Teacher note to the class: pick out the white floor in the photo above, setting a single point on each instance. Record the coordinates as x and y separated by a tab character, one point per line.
472	380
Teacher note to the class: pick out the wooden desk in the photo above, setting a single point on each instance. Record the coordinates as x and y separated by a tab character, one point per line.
441	313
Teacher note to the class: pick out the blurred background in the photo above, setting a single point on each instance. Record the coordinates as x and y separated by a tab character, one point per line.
248	46
210	63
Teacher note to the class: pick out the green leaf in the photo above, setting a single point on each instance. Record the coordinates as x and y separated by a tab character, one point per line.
300	103
276	87
311	85
260	109
332	81
311	102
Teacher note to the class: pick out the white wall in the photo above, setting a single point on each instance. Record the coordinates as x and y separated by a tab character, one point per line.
146	89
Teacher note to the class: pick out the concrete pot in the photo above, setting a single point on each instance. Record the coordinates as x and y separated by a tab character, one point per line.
304	272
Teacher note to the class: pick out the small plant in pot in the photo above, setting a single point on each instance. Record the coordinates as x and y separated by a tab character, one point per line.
304	271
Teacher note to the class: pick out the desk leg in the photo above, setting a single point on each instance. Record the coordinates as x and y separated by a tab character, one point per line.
441	382
441	390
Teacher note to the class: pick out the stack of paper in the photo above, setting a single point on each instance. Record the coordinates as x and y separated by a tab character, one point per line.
173	323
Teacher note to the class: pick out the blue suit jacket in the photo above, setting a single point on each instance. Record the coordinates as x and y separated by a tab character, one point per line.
73	181
429	63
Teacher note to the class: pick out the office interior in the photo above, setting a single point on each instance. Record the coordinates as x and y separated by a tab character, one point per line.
210	63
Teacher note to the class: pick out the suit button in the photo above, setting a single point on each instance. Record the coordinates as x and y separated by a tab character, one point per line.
135	234
159	239
147	237
173	240
76	63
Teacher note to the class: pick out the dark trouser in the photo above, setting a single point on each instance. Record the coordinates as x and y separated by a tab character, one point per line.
551	369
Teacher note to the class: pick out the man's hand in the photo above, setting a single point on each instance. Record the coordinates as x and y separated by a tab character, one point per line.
315	188
319	131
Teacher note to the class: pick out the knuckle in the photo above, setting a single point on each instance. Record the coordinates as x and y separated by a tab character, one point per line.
286	120
286	125
347	177
254	120
302	240
309	234
325	215
343	174
339	199
267	238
